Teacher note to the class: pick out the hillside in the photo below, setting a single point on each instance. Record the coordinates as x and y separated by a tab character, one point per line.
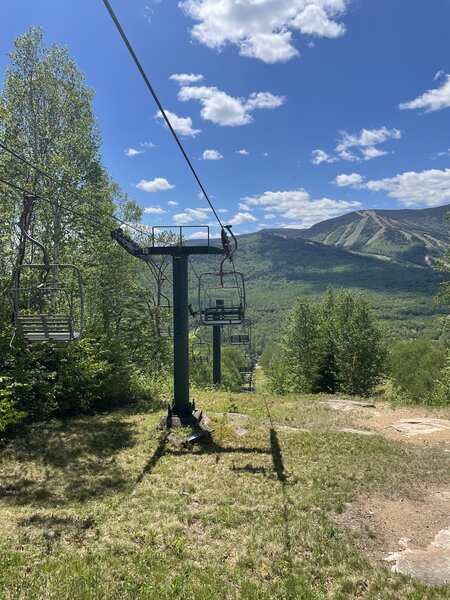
105	507
279	267
414	236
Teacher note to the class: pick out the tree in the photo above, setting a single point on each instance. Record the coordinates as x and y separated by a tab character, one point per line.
334	346
46	116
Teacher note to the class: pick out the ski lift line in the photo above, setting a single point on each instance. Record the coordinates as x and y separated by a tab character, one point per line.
75	212
65	187
55	203
159	105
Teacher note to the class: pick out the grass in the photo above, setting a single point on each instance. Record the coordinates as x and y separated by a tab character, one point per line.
106	507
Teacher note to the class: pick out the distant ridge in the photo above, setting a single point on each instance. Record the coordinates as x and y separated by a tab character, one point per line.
412	236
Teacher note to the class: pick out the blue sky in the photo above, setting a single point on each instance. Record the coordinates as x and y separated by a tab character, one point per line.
292	111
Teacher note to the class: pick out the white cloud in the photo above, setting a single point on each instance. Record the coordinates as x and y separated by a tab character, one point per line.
242	217
244	207
438	75
372	152
211	155
147	145
427	188
159	184
431	100
182	125
263	29
319	156
366	141
172	203
225	110
189	215
299	208
270	216
244	152
222	210
355	147
184	78
132	151
265	154
353	179
154	210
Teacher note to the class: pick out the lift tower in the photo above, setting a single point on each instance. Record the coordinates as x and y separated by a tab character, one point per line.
182	410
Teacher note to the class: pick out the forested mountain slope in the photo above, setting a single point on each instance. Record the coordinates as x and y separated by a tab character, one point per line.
414	236
279	268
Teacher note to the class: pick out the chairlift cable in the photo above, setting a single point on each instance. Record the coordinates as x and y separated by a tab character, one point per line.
159	105
67	188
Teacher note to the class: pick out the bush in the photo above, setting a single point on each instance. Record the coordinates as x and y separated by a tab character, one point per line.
419	371
334	346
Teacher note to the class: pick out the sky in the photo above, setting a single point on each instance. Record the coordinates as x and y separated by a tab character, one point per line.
291	111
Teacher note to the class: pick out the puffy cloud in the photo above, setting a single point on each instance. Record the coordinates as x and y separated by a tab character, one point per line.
211	155
263	29
154	210
431	100
159	184
426	188
244	207
270	216
172	203
185	78
225	110
353	179
222	210
133	151
243	152
242	217
191	214
299	208
319	156
269	47
182	125
365	142
355	147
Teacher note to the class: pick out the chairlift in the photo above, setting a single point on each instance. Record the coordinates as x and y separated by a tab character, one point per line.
200	350
49	305
47	298
241	339
163	316
221	298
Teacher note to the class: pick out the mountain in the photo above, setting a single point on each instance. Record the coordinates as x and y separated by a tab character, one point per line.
280	265
411	236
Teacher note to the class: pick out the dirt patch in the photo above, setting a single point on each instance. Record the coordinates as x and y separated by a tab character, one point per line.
408	424
384	526
346	405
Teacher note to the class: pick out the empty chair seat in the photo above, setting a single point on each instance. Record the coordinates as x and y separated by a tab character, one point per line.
38	328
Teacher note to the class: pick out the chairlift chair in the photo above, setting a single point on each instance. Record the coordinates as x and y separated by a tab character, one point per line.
200	350
230	288
50	304
163	313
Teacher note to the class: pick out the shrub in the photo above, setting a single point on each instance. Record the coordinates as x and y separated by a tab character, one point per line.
332	346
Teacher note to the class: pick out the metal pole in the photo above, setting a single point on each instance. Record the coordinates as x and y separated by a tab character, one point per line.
181	406
217	335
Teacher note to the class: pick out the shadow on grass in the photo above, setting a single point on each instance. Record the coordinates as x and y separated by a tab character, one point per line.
60	462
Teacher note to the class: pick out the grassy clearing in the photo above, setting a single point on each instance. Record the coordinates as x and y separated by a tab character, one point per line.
104	507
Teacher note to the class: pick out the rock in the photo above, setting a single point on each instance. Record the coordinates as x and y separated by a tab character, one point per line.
418	426
347	405
357	431
430	566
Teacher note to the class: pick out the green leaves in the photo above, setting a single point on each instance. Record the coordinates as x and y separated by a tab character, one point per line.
334	346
